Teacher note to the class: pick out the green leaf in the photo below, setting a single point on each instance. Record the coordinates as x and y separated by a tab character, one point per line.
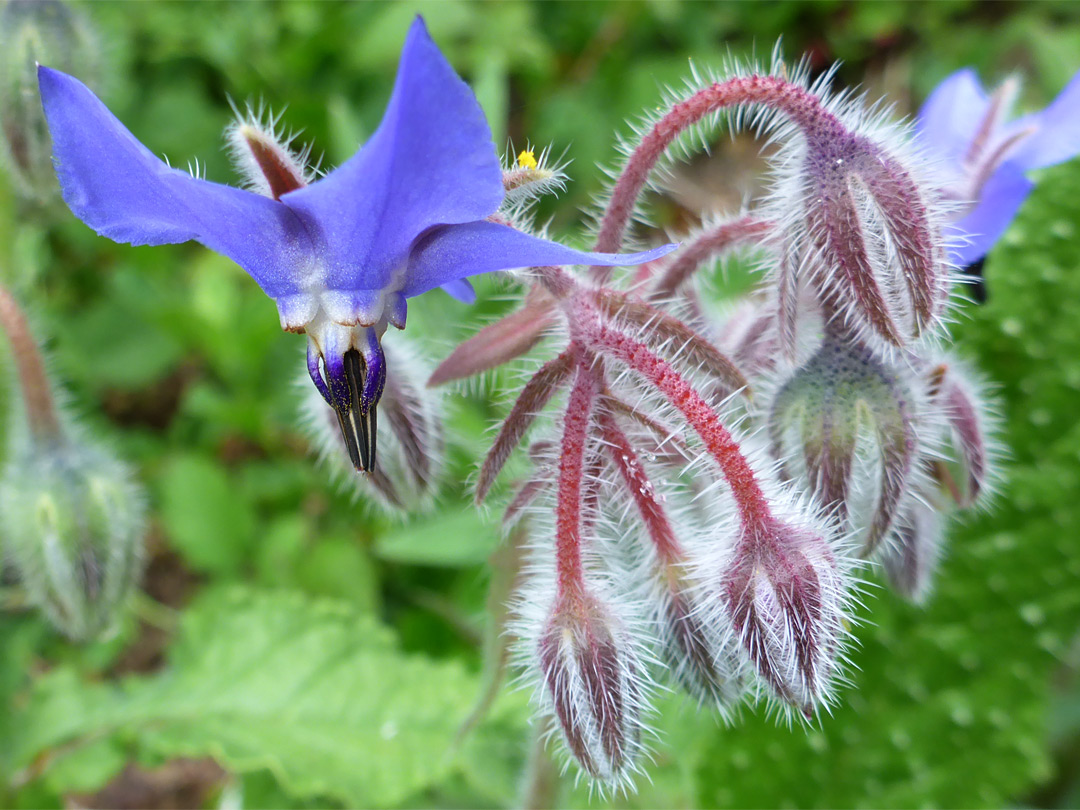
205	519
311	690
456	537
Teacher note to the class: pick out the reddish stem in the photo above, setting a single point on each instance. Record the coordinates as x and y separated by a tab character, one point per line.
798	104
40	411
690	258
753	507
571	576
641	490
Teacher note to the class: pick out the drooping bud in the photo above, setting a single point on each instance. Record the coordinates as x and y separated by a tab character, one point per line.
874	231
409	436
72	522
844	424
956	396
592	683
33	31
912	556
785	595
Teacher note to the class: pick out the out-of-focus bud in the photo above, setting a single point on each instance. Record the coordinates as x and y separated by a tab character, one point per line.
32	31
410	434
592	682
912	555
785	595
692	643
844	424
72	521
967	420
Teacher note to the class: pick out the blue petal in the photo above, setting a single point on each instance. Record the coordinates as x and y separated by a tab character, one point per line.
461	289
949	119
1057	135
120	189
431	162
972	237
456	251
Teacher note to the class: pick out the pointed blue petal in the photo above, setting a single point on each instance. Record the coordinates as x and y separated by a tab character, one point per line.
1057	135
972	237
456	251
431	162
950	117
462	290
120	189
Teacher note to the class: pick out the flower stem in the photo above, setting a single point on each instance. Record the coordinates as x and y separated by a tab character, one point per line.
571	576
37	396
803	108
690	258
753	506
641	490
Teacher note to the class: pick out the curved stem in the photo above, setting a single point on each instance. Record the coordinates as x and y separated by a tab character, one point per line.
803	108
641	489
753	506
690	258
37	395
571	575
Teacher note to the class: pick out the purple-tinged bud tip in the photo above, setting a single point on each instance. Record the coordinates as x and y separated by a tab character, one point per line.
592	681
784	594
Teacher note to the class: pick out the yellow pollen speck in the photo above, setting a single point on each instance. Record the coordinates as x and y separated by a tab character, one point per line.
527	160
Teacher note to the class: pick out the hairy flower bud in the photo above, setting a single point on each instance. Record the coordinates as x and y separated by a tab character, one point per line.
785	595
33	31
72	520
844	424
591	680
912	556
410	434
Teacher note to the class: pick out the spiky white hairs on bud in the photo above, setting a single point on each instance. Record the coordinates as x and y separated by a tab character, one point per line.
72	520
598	701
411	436
968	420
851	428
790	614
262	152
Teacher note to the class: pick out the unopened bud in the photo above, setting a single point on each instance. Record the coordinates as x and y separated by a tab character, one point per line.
844	424
912	556
47	32
591	680
693	645
72	520
785	596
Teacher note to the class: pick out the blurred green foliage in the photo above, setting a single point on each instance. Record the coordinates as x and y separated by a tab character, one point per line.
321	652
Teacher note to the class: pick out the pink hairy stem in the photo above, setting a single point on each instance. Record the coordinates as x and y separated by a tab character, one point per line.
803	108
689	258
37	396
571	575
641	490
753	506
537	392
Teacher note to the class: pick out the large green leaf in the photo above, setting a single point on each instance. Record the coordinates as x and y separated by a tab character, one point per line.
314	691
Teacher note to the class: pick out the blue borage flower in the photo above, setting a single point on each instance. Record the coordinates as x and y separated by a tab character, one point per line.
968	131
339	256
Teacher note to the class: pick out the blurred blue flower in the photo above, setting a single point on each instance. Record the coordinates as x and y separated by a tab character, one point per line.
339	256
968	130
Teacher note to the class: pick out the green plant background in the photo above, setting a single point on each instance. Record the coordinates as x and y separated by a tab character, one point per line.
323	654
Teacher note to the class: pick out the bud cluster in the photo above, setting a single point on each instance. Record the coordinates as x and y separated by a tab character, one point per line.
660	519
